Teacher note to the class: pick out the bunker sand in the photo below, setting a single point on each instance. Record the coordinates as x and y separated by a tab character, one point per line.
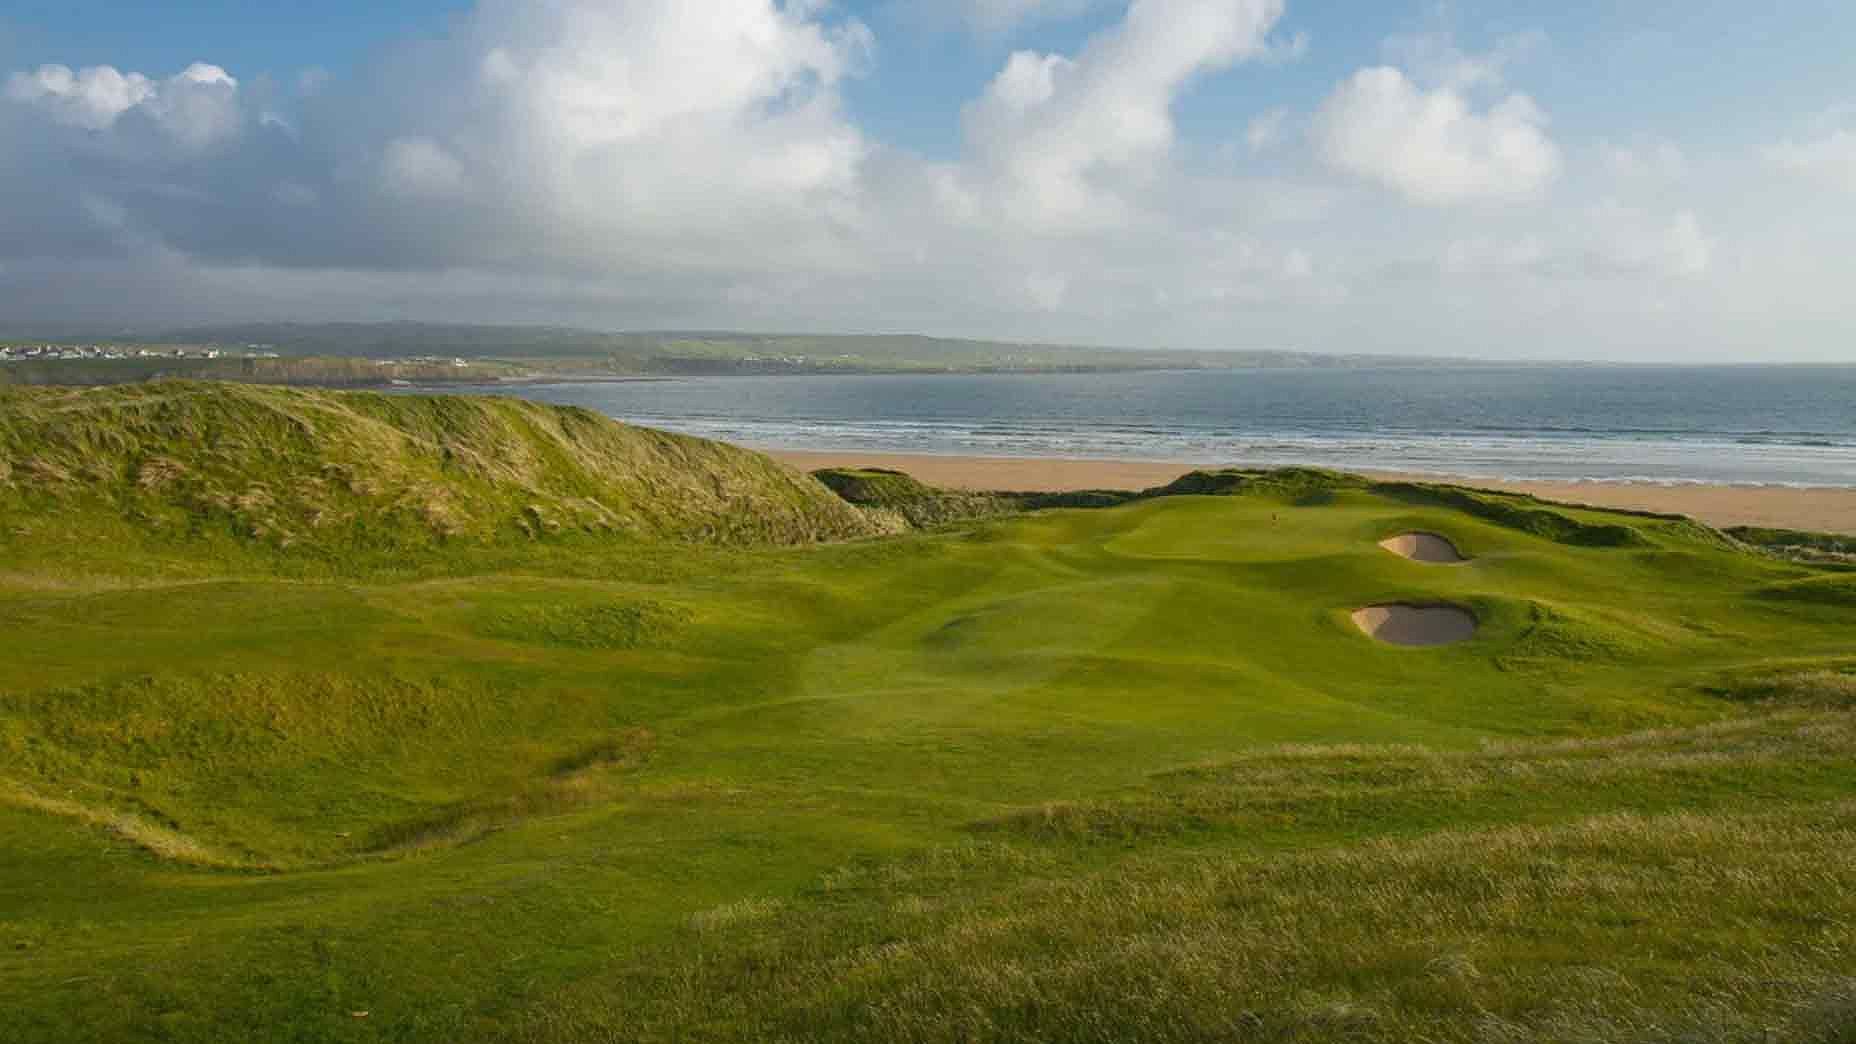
1416	625
1424	547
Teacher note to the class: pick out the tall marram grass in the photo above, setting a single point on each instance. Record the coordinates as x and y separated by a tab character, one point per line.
1732	925
1624	929
318	474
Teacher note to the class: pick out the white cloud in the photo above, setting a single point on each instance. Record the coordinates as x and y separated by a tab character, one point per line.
1604	243
196	107
1617	241
649	162
599	74
1829	159
1652	161
1057	137
581	135
200	74
1434	60
1432	145
91	99
1047	291
420	167
1265	131
1297	264
1685	249
1484	256
590	135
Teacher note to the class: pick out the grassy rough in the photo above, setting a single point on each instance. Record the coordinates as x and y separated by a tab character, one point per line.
1612	928
1801	545
623	625
1522	512
1834	591
1305	487
893	494
1105	775
330	474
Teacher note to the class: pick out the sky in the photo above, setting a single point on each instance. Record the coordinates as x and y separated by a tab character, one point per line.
1664	180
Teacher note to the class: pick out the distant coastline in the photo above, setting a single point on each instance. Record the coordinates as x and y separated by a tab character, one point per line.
566	352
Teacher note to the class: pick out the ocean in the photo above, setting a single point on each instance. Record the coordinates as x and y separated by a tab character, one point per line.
1792	425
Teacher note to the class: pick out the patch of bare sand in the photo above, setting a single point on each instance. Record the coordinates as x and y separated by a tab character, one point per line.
1424	547
1416	625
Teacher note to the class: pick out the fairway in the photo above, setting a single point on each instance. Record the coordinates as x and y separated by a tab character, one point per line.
475	801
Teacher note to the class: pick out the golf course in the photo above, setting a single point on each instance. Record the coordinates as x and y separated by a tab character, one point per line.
354	717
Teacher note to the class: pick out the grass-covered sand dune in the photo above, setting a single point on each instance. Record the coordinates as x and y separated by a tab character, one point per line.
1117	773
338	477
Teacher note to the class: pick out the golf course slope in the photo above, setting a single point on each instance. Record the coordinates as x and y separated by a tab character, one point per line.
284	758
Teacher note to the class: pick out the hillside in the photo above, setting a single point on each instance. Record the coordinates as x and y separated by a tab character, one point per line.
561	350
310	371
1131	773
329	474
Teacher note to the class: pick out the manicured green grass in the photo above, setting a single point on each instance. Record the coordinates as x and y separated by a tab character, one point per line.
1082	775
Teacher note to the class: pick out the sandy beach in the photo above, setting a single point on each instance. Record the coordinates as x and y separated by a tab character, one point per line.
1821	509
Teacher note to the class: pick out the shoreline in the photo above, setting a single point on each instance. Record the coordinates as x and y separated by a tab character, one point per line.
1826	509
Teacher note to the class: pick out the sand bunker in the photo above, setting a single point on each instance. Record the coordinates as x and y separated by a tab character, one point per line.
1416	624
1423	547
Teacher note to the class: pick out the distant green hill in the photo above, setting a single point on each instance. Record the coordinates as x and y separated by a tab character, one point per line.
331	474
303	370
704	352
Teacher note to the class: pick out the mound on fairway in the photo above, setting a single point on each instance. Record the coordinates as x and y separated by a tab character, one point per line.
1417	625
1424	547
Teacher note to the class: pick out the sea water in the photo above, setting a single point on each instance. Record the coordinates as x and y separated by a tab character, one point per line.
1786	425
